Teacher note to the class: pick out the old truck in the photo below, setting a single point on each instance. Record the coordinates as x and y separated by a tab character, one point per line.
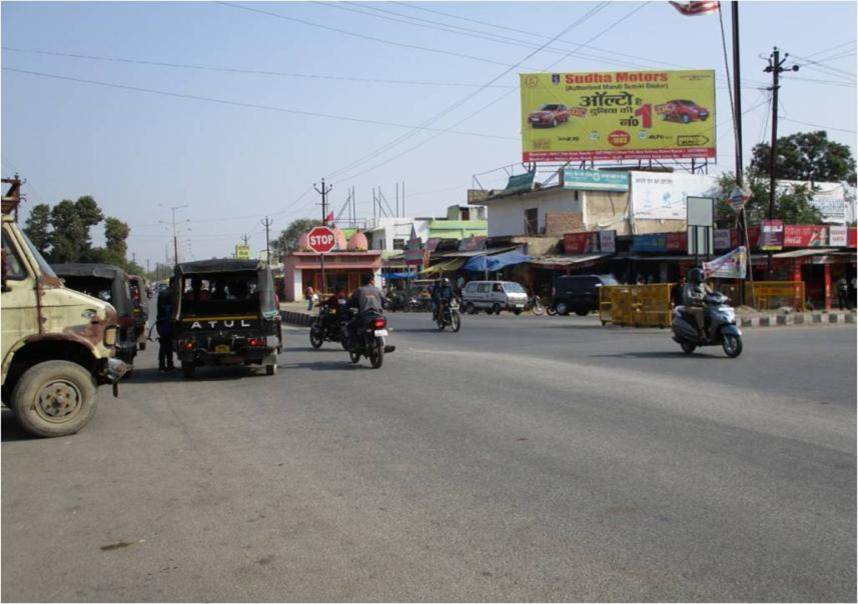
58	345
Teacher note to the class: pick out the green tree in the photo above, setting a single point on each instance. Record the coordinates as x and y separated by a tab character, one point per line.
71	221
115	234
792	205
288	240
38	226
807	156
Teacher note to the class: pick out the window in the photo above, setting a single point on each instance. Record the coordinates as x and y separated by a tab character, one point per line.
471	287
13	268
399	244
484	288
44	267
513	287
531	221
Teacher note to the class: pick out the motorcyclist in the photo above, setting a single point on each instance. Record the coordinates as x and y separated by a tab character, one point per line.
333	303
441	294
367	299
694	296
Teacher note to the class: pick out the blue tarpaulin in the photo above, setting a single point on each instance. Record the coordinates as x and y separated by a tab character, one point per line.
496	262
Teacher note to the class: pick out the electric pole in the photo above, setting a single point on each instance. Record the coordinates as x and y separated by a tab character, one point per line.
175	238
323	191
267	222
775	67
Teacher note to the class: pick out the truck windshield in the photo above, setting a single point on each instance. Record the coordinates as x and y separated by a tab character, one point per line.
44	267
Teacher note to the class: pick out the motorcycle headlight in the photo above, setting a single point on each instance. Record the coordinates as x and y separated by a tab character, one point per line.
728	313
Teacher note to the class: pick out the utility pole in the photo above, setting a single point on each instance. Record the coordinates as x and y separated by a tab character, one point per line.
775	67
267	222
173	221
323	191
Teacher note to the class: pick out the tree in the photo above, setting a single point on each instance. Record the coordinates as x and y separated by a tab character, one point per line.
288	240
71	222
38	227
792	204
806	156
115	234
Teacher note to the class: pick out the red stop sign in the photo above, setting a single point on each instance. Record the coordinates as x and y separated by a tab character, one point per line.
321	240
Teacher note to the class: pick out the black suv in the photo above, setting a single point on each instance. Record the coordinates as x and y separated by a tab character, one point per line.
579	293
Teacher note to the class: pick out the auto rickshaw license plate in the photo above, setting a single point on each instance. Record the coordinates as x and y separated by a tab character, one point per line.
222	349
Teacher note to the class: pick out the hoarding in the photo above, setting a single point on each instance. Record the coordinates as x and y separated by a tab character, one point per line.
242	252
608	241
838	236
805	235
772	235
595	180
581	243
660	242
662	195
618	115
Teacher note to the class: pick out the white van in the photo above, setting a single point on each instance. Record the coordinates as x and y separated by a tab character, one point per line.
493	297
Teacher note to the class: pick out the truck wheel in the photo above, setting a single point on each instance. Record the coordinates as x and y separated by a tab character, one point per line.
54	398
188	370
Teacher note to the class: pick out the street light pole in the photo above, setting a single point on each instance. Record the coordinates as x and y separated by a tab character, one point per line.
173	221
323	191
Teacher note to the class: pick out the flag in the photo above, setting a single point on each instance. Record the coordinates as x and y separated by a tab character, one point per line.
696	7
329	219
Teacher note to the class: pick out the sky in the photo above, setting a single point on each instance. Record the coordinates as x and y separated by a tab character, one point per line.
267	122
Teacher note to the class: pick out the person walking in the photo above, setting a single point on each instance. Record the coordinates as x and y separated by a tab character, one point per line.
843	293
164	325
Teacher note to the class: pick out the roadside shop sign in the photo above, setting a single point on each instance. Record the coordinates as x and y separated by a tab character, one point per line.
772	235
722	240
581	243
608	241
660	242
618	115
242	252
805	235
733	265
321	239
595	180
838	236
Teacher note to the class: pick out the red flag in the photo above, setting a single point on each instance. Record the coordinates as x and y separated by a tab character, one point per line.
696	7
329	219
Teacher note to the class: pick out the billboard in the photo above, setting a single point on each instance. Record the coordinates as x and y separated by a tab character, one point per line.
242	252
662	195
618	115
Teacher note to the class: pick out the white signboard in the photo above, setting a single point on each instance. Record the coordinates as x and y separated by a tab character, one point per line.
830	198
838	236
608	241
662	195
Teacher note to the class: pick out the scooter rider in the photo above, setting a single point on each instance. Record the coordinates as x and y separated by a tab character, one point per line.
441	293
693	297
367	298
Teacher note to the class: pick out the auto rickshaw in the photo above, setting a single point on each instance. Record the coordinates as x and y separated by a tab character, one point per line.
225	313
109	283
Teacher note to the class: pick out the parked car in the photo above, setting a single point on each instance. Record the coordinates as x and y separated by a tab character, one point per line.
493	297
549	115
579	293
682	111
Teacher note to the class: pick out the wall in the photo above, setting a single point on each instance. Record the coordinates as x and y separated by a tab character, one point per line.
506	214
606	210
383	231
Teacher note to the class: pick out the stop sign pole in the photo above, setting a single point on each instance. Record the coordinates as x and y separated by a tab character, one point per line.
323	191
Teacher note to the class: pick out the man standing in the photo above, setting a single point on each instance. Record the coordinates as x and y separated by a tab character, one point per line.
843	293
164	325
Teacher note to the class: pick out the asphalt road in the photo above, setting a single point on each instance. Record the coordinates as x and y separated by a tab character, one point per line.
521	459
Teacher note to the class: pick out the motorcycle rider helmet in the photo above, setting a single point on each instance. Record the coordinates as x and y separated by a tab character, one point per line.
695	276
445	282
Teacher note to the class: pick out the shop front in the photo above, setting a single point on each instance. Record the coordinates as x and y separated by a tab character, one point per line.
342	269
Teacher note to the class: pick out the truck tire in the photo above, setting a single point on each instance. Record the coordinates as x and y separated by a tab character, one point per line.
54	398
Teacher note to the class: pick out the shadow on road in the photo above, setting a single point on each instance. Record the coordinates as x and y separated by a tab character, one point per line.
202	374
658	355
344	365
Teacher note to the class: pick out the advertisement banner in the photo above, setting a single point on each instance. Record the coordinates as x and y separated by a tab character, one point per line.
618	115
663	195
772	235
722	240
853	237
472	244
608	241
838	236
581	243
594	180
830	198
733	265
804	235
242	252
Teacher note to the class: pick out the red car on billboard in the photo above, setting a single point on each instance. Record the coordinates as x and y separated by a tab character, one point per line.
682	111
549	115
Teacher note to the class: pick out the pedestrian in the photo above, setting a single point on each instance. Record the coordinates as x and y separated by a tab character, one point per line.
843	293
164	325
309	293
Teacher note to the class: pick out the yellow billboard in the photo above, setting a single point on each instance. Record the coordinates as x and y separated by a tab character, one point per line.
242	252
618	115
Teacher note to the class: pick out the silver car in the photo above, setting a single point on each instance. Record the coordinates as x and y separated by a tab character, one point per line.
493	297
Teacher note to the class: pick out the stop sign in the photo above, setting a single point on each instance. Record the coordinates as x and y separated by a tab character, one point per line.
321	240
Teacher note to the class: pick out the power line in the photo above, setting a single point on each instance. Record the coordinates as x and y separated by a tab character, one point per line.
246	105
789	119
286	74
590	13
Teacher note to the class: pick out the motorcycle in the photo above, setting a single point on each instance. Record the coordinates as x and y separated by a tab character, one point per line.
448	314
534	305
368	339
719	327
326	326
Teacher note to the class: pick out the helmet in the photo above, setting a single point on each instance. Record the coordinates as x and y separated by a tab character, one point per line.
695	276
445	281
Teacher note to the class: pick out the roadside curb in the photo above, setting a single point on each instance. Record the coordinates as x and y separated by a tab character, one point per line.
799	318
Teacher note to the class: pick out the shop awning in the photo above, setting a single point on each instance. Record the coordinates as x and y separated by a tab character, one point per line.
817	251
496	262
475	253
568	260
448	266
